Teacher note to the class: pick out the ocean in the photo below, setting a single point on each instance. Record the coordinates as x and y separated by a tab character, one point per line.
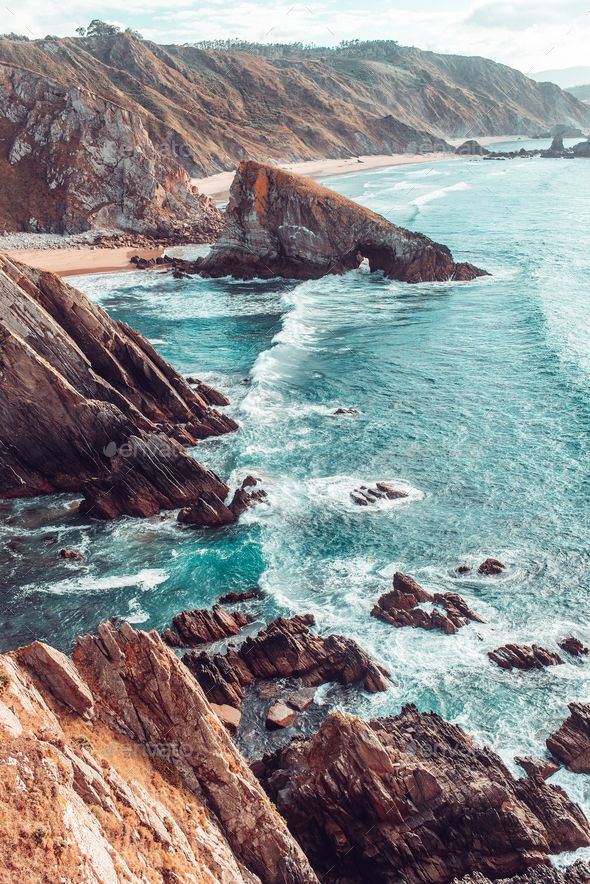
474	397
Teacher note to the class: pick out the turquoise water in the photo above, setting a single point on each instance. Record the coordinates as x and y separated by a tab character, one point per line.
473	396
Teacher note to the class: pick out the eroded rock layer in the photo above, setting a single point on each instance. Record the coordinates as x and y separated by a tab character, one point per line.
88	405
412	799
280	224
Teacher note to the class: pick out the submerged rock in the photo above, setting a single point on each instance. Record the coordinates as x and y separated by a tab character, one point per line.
280	224
571	742
399	607
285	649
414	799
234	597
88	405
573	646
365	495
524	657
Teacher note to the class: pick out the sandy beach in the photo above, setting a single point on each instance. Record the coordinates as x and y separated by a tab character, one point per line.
87	259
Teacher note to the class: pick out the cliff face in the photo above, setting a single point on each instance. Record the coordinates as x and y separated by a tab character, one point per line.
88	405
115	769
162	109
279	224
70	161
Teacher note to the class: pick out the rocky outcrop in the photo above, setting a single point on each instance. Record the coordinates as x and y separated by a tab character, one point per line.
190	628
574	646
71	160
571	743
472	148
366	496
538	767
285	649
115	768
89	406
524	657
413	799
280	224
209	510
582	149
400	607
489	567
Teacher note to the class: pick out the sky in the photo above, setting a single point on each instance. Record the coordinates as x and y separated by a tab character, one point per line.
531	36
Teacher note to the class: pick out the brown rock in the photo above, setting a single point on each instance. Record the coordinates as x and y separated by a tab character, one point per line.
399	607
71	554
280	224
201	626
573	646
280	716
285	649
538	767
57	674
491	566
230	717
578	873
100	395
301	699
571	742
463	569
524	657
209	510
232	598
413	799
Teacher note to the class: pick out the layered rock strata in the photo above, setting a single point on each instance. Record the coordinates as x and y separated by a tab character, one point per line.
287	648
190	628
414	799
571	742
524	657
89	406
280	224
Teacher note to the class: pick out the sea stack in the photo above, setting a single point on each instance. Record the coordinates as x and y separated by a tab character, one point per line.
280	224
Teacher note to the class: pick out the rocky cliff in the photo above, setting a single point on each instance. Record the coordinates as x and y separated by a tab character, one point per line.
280	224
107	130
88	405
71	160
114	767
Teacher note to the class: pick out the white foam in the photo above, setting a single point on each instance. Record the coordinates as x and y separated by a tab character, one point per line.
144	580
439	193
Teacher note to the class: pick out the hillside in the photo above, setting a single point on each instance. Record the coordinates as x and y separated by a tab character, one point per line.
145	118
582	93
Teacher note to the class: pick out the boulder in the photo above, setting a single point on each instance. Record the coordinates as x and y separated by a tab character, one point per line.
413	799
229	716
582	149
231	598
463	569
71	554
280	716
345	411
471	148
365	495
281	224
571	742
285	649
524	657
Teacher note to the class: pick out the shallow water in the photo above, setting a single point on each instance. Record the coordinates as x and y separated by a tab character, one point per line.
473	396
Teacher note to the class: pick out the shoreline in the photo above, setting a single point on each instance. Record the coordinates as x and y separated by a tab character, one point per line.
82	260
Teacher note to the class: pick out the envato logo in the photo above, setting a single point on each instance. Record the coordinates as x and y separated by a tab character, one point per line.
157	445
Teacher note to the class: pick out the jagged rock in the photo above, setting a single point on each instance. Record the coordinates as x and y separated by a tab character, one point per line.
280	224
209	510
541	767
525	657
56	672
201	626
413	799
83	400
573	646
579	873
399	607
280	716
345	411
490	567
144	691
285	649
571	742
301	699
472	148
231	598
71	554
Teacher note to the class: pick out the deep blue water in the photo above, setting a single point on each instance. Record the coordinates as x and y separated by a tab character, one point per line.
473	396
